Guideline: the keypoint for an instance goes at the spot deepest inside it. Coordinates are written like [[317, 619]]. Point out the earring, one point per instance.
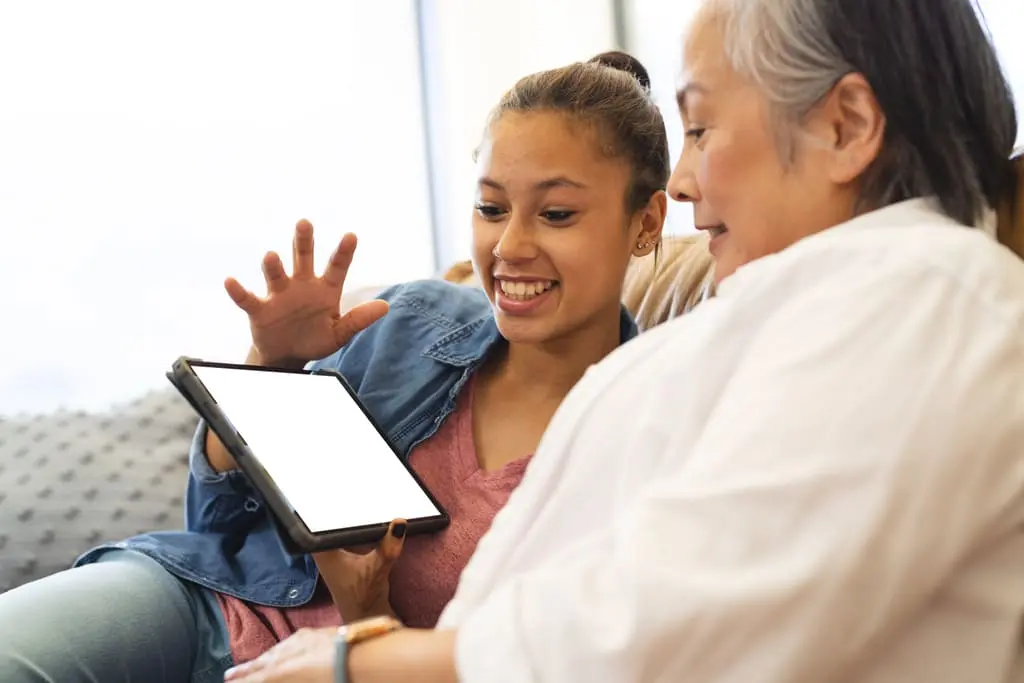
[[644, 245]]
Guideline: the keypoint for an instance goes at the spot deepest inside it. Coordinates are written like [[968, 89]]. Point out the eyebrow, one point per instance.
[[685, 90], [546, 184]]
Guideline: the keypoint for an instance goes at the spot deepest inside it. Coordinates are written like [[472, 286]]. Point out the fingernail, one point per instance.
[[398, 530]]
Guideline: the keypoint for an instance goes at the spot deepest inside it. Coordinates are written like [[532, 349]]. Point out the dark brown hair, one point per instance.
[[612, 93], [1010, 228]]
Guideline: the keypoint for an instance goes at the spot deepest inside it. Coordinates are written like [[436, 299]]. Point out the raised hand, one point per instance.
[[300, 318]]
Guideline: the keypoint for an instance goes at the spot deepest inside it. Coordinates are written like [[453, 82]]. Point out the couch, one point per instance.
[[69, 481]]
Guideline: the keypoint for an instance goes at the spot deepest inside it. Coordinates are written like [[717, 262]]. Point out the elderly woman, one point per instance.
[[819, 474]]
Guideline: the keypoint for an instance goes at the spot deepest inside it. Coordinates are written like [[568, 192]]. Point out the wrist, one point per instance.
[[351, 635], [351, 614], [255, 357], [404, 655]]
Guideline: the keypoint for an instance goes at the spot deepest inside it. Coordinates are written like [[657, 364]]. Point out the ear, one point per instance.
[[853, 125], [651, 220]]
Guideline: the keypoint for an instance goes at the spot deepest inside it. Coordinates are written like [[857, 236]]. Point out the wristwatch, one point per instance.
[[357, 632]]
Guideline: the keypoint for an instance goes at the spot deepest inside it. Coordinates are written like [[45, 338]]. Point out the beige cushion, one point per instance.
[[660, 289]]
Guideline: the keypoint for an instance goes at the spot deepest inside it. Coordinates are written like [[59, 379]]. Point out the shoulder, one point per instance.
[[427, 320], [922, 262], [435, 303]]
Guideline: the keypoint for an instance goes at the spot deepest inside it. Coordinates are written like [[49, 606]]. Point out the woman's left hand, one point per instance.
[[359, 582], [306, 657]]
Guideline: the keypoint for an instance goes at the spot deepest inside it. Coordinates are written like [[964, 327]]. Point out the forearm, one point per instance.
[[219, 458], [407, 655]]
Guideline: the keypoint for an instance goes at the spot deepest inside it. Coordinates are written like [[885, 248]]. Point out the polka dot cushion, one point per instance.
[[70, 481]]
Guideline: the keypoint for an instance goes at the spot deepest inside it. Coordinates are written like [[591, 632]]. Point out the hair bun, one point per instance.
[[622, 61]]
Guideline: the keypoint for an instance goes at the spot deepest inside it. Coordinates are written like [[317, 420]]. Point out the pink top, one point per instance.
[[424, 578]]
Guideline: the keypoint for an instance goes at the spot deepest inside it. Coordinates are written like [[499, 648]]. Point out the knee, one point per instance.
[[24, 634], [74, 625], [33, 619], [15, 668]]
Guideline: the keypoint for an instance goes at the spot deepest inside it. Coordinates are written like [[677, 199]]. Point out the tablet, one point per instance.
[[305, 441]]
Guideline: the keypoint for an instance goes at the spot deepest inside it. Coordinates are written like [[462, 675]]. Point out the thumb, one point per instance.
[[357, 319], [390, 548], [243, 298], [335, 567]]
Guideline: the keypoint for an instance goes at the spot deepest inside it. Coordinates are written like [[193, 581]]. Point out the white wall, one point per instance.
[[148, 150], [482, 48]]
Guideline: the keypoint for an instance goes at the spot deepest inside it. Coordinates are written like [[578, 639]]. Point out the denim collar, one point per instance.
[[468, 344]]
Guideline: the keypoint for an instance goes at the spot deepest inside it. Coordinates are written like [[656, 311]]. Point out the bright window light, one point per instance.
[[148, 150]]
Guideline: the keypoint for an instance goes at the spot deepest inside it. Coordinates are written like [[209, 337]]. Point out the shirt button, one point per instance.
[[293, 593], [251, 505]]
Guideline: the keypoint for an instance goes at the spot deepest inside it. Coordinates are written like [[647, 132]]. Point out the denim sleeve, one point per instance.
[[214, 500], [224, 502]]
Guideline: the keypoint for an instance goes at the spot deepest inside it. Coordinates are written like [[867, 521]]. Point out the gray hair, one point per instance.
[[950, 119]]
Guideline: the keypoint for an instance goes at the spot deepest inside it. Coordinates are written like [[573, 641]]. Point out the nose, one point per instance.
[[517, 242], [682, 184]]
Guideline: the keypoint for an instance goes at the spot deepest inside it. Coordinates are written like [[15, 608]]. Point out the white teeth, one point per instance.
[[717, 230], [523, 291]]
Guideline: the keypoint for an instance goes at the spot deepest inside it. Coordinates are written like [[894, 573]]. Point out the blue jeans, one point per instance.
[[122, 620]]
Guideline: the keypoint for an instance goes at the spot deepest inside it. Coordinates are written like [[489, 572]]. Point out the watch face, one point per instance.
[[368, 628]]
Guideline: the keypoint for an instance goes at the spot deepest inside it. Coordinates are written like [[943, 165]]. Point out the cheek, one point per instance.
[[741, 180], [723, 174], [485, 235], [596, 279], [484, 240], [589, 257], [720, 179]]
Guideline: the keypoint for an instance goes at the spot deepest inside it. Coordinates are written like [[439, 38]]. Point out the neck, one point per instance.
[[551, 369]]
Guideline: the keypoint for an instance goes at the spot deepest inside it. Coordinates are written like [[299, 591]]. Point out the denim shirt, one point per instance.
[[408, 369]]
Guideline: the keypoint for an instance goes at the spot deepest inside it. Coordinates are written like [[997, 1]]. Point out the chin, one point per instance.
[[723, 268], [524, 331]]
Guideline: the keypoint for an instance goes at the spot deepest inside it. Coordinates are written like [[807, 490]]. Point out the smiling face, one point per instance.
[[751, 199], [551, 234]]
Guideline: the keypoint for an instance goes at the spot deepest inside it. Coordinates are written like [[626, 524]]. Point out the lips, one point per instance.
[[521, 296], [717, 233], [714, 230]]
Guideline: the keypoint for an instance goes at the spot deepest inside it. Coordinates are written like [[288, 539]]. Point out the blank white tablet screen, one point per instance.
[[318, 446]]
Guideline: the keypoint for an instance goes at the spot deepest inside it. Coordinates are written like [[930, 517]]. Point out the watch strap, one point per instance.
[[341, 659], [357, 632]]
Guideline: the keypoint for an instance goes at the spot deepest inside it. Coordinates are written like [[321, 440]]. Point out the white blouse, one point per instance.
[[815, 477]]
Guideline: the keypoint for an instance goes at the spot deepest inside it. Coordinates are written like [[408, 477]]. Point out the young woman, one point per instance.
[[571, 188], [818, 475]]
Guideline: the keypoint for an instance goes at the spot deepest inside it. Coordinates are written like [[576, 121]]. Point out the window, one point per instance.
[[654, 36], [475, 52], [1006, 23], [151, 149]]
